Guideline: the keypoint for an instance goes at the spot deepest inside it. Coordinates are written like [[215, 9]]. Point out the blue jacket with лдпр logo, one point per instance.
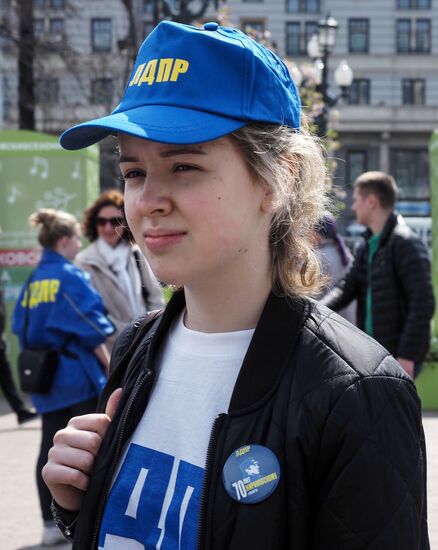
[[64, 308]]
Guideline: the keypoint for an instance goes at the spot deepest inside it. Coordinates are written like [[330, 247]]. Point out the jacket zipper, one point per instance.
[[116, 458], [207, 475]]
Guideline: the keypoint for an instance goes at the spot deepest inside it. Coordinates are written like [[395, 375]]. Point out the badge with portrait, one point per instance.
[[251, 474]]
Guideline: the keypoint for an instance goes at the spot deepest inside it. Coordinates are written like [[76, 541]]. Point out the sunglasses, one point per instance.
[[114, 222]]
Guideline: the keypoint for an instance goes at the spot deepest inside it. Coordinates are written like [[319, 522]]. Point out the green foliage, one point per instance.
[[167, 293], [432, 356]]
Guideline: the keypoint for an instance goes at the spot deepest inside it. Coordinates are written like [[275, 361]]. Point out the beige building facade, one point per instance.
[[82, 63]]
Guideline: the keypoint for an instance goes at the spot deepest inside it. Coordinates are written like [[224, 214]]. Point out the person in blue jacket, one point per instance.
[[64, 312]]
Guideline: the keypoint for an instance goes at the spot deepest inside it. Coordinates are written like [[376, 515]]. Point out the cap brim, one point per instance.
[[153, 122]]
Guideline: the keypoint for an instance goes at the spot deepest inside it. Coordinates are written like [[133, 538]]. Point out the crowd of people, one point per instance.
[[245, 413]]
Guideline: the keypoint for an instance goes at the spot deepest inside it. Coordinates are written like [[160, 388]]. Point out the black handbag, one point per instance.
[[37, 366], [37, 369]]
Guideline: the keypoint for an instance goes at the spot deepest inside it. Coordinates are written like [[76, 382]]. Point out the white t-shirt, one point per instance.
[[154, 501]]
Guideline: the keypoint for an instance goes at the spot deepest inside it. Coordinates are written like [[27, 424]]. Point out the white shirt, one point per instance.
[[154, 501]]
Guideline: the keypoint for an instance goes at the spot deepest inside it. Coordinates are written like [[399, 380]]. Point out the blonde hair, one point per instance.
[[54, 224], [292, 165]]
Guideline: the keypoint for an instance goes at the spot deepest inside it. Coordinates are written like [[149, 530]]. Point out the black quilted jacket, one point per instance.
[[338, 412], [402, 293]]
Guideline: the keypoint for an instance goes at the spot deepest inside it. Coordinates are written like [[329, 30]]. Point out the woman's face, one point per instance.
[[109, 222], [195, 210]]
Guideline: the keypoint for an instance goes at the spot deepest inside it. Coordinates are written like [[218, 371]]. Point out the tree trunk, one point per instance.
[[26, 48]]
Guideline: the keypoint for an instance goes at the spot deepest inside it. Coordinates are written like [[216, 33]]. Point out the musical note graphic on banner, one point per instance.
[[14, 194], [58, 198], [40, 167]]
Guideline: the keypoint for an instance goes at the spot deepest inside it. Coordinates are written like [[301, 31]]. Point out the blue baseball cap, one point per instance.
[[191, 85]]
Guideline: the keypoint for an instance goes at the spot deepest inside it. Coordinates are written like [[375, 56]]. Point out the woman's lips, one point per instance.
[[161, 240]]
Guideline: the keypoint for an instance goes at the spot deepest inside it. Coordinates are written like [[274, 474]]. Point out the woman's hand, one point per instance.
[[407, 365], [71, 458]]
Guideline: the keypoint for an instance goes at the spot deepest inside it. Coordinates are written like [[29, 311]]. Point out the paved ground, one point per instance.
[[20, 523]]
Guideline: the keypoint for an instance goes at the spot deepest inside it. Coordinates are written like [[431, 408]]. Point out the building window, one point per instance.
[[101, 34], [102, 91], [413, 91], [306, 6], [39, 4], [358, 35], [422, 35], [38, 28], [47, 91], [413, 4], [57, 26], [311, 27], [293, 38], [413, 38], [411, 171], [357, 162], [296, 39], [359, 92], [404, 35], [57, 4]]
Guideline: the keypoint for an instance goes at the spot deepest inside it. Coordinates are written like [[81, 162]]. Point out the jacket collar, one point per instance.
[[92, 257], [50, 256], [388, 228], [268, 354]]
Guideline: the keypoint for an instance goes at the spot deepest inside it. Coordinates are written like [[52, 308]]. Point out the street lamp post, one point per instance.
[[319, 49]]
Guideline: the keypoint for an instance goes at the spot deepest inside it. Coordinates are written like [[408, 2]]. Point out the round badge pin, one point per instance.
[[251, 474]]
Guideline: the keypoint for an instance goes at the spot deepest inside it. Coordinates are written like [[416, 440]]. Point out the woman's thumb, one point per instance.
[[112, 402]]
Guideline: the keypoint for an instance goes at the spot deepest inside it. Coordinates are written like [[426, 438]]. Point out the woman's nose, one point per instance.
[[155, 198]]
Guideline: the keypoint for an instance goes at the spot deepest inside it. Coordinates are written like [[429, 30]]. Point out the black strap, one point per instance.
[[144, 290], [118, 371], [26, 309]]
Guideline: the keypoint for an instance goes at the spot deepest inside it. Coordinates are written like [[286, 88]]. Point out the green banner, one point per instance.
[[35, 172]]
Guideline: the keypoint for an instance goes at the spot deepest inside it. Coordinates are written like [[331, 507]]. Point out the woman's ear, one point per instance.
[[62, 243], [267, 205]]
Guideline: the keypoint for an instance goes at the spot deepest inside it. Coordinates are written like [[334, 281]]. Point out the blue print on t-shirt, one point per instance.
[[153, 505]]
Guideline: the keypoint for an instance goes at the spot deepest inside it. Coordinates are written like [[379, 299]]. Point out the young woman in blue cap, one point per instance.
[[245, 415]]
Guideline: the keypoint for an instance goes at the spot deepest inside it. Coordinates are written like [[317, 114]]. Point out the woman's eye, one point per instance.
[[184, 168], [131, 174]]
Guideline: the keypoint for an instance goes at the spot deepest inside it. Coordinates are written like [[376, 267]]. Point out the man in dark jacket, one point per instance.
[[390, 276]]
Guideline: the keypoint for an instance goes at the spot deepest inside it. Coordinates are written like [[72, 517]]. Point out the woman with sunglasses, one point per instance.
[[118, 271]]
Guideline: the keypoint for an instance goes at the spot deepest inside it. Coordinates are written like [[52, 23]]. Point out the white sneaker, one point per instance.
[[52, 535]]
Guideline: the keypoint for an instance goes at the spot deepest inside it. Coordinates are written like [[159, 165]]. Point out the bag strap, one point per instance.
[[144, 290], [141, 331], [116, 375], [26, 309]]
